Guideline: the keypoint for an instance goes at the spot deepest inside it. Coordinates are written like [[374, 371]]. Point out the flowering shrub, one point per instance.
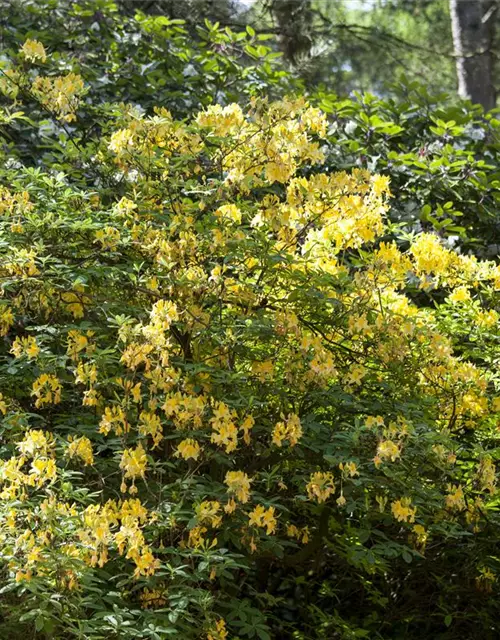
[[224, 390]]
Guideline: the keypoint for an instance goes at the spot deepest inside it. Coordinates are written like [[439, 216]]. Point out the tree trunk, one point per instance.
[[473, 29]]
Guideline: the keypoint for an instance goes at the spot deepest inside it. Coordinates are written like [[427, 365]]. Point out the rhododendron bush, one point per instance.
[[237, 401]]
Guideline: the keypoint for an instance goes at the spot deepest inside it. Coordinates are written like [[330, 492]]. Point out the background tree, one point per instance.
[[474, 31]]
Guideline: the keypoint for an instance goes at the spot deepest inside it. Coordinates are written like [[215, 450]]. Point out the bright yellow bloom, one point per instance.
[[34, 50], [261, 517], [246, 427], [188, 448], [239, 484], [81, 448], [207, 513], [114, 418], [460, 294], [388, 450], [320, 486], [6, 320], [150, 425], [290, 429], [77, 342], [134, 462], [47, 390], [25, 346], [60, 94], [121, 141], [36, 443], [403, 511], [218, 632]]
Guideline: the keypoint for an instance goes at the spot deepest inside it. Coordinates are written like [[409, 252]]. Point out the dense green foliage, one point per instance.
[[443, 159], [245, 391]]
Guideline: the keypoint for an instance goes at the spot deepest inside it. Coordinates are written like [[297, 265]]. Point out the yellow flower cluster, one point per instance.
[[133, 463], [218, 632], [21, 264], [387, 450], [188, 448], [455, 499], [303, 534], [320, 486], [100, 530], [207, 513], [114, 419], [238, 483], [290, 429], [34, 50], [403, 511], [78, 342], [47, 390], [81, 448], [150, 425], [60, 94], [25, 347], [262, 517], [224, 429]]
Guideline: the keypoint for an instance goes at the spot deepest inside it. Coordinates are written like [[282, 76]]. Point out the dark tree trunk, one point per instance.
[[473, 29]]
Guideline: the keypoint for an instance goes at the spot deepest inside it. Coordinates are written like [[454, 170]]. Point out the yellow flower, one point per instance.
[[196, 538], [246, 427], [6, 320], [403, 511], [134, 462], [108, 237], [36, 443], [420, 535], [76, 343], [47, 390], [374, 421], [261, 517], [320, 486], [3, 405], [263, 370], [43, 470], [218, 632], [150, 424], [485, 579], [86, 373], [290, 429], [455, 499], [229, 212], [114, 418], [222, 120], [60, 94], [387, 450], [224, 430], [34, 50], [188, 448], [239, 484], [460, 294], [121, 140], [81, 448], [25, 346], [207, 513], [487, 319], [230, 506], [349, 469]]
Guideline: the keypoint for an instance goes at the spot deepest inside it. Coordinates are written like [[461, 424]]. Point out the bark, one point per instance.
[[473, 30]]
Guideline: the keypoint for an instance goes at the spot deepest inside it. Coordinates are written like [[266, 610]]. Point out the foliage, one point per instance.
[[238, 401], [361, 45], [442, 157], [146, 60]]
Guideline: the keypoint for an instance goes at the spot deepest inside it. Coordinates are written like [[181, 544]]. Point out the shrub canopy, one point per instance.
[[238, 399]]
